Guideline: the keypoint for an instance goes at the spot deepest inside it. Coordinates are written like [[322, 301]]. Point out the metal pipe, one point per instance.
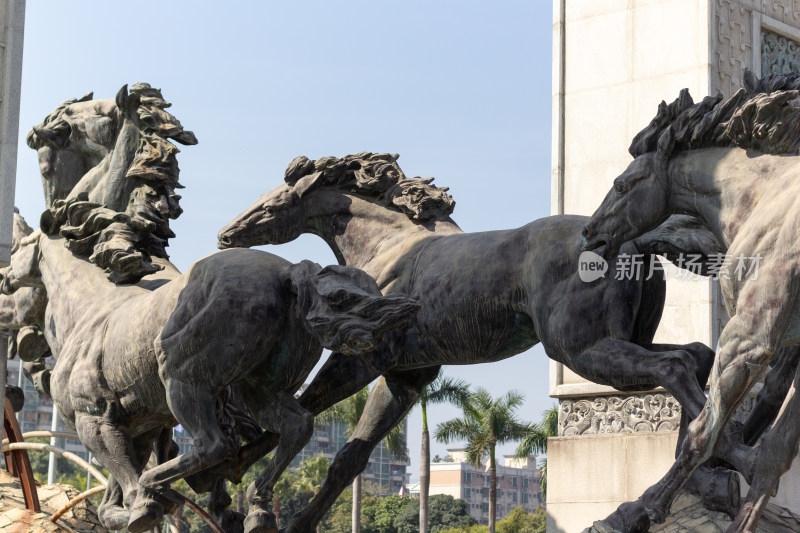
[[52, 449], [51, 465]]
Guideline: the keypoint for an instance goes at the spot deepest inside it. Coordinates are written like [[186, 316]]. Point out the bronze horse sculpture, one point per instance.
[[131, 361], [484, 297], [734, 165], [134, 360]]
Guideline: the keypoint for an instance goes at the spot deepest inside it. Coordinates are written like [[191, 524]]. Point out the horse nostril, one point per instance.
[[585, 233]]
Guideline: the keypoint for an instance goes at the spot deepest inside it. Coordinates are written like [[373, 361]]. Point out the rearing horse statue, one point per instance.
[[484, 296], [134, 360], [733, 164]]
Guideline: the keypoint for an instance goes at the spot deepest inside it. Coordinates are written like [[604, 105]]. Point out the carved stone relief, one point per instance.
[[626, 414], [779, 54]]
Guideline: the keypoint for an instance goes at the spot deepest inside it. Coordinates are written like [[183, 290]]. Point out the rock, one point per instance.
[[15, 518]]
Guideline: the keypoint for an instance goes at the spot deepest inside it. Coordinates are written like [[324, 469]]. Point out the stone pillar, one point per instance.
[[12, 24], [613, 62]]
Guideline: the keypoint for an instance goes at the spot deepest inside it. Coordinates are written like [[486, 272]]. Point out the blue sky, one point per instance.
[[461, 90]]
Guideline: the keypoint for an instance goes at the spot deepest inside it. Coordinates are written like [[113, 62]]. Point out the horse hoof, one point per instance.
[[260, 521], [114, 518], [628, 518], [145, 516], [722, 493]]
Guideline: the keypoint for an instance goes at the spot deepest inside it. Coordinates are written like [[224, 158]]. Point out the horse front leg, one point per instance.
[[389, 402], [342, 376], [773, 456], [682, 370], [741, 361], [296, 426], [349, 374]]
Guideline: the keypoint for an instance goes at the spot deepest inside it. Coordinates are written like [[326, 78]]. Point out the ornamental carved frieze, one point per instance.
[[626, 414], [779, 54]]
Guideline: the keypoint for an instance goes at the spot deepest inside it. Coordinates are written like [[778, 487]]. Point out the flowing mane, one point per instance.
[[119, 238], [764, 115], [378, 176]]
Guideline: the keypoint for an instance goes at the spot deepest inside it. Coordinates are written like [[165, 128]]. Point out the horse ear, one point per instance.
[[122, 96], [666, 143], [126, 102], [308, 183], [52, 139]]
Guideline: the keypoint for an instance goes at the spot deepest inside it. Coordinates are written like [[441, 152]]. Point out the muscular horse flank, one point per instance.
[[732, 164], [484, 297]]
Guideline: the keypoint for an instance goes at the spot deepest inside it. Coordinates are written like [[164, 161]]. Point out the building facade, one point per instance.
[[518, 484]]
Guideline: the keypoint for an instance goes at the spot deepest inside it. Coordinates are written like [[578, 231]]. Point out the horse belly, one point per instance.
[[480, 334]]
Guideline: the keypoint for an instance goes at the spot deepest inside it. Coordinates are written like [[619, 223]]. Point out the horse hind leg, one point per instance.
[[113, 447], [773, 456], [296, 425], [389, 401], [191, 404]]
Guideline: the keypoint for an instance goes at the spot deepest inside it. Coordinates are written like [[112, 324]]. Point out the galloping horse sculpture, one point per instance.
[[484, 296], [734, 165], [137, 359]]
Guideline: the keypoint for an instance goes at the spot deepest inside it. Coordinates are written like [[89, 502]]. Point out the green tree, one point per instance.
[[441, 390], [381, 515], [477, 528], [348, 412], [486, 423], [535, 442], [520, 521], [311, 475], [445, 512]]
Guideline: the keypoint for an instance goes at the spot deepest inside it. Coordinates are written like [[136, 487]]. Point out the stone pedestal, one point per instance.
[[613, 62]]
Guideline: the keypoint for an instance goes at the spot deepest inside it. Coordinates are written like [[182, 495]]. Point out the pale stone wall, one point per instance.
[[622, 59], [589, 476]]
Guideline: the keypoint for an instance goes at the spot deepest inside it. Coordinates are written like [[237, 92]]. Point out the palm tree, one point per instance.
[[312, 473], [535, 442], [348, 412], [441, 390], [487, 422]]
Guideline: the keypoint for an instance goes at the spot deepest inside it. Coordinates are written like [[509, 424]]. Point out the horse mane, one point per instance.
[[122, 241], [764, 115], [378, 176]]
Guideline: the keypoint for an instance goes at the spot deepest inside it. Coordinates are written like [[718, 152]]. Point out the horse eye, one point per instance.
[[620, 187], [269, 209]]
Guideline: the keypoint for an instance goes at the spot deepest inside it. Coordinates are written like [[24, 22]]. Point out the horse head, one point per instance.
[[637, 203], [281, 215], [82, 132], [277, 217], [344, 307]]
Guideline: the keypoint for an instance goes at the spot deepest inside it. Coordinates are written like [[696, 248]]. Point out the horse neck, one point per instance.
[[76, 289], [723, 185], [364, 233]]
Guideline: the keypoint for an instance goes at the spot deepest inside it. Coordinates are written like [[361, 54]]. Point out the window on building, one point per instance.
[[524, 483], [468, 478], [524, 497], [514, 497], [514, 482]]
